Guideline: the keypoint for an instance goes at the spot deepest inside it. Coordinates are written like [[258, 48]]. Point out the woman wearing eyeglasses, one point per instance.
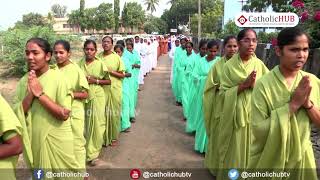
[[238, 79]]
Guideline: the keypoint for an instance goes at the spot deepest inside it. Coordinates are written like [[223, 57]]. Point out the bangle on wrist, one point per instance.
[[41, 94], [308, 108], [97, 81]]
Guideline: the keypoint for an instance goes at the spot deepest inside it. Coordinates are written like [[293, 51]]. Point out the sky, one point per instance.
[[11, 11]]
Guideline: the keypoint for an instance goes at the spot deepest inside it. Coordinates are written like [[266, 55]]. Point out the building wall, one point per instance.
[[61, 26]]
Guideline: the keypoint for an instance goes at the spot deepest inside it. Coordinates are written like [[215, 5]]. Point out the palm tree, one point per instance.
[[172, 2], [151, 5]]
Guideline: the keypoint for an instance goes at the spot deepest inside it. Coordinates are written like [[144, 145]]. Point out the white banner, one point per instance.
[[267, 20], [173, 30]]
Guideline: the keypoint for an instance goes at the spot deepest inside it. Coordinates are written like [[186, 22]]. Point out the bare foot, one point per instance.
[[99, 163], [114, 143]]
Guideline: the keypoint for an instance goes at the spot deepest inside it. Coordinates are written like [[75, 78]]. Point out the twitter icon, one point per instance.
[[233, 174]]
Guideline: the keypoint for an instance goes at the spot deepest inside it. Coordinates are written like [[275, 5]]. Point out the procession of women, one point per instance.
[[65, 113], [244, 116]]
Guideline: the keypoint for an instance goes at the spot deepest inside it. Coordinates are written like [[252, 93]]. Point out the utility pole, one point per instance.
[[199, 20]]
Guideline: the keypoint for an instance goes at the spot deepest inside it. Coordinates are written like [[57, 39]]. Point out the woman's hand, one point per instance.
[[91, 80], [301, 95], [34, 85], [249, 82]]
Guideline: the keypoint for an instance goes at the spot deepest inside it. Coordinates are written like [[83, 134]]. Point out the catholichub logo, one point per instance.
[[267, 20]]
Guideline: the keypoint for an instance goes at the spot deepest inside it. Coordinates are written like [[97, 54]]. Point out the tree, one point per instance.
[[155, 24], [99, 18], [211, 20], [230, 29], [104, 17], [309, 12], [116, 9], [133, 15], [151, 5], [15, 40], [261, 6], [180, 10], [88, 21], [32, 19], [59, 11], [81, 14], [82, 5], [75, 19]]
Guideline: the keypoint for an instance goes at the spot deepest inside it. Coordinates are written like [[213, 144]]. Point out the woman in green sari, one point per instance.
[[237, 81], [43, 104], [10, 141], [135, 61], [126, 87], [97, 77], [201, 73], [113, 93], [213, 104], [188, 61], [190, 124], [177, 71], [79, 87], [284, 104]]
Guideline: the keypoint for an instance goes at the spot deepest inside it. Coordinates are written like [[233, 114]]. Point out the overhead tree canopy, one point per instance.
[[155, 24], [104, 17], [99, 18], [31, 19], [260, 6], [59, 11], [133, 15], [151, 5], [211, 20], [180, 11], [116, 9]]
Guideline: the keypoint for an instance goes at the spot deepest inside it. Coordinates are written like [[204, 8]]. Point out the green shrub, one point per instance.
[[264, 37], [14, 42]]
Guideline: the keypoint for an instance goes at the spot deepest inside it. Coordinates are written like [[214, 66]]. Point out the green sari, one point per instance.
[[48, 142], [201, 72], [234, 152], [9, 128], [113, 97], [177, 73], [78, 82], [134, 81], [212, 109], [95, 124], [281, 143], [193, 89], [186, 76], [126, 94]]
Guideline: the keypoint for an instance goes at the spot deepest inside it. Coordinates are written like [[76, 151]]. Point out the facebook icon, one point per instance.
[[38, 173]]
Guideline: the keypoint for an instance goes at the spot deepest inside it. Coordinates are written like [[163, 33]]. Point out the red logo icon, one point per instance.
[[242, 19], [135, 174]]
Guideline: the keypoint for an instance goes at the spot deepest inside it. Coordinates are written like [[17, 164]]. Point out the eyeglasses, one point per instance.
[[248, 40]]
